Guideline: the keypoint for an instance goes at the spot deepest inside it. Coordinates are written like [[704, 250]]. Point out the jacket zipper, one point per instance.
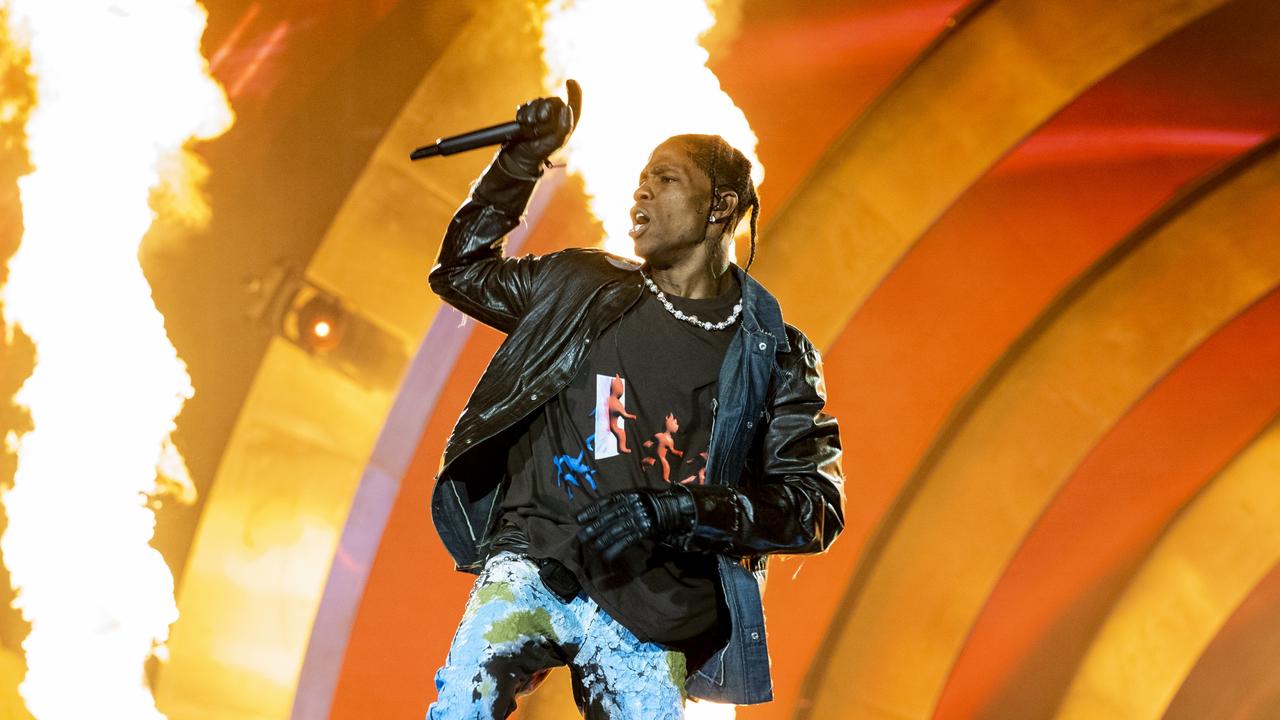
[[711, 435]]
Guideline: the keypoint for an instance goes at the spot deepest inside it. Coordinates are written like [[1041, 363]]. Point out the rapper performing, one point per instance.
[[632, 558]]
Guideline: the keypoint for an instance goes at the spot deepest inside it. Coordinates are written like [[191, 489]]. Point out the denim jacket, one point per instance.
[[774, 481]]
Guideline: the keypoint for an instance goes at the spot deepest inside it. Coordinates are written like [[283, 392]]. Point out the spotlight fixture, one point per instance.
[[319, 324], [327, 328]]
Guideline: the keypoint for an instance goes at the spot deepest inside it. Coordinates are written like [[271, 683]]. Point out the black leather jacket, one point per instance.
[[774, 482]]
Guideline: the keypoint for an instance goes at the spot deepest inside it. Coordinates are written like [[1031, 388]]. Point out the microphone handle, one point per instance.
[[492, 135]]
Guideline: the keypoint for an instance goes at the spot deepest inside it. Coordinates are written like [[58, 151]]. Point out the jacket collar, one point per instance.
[[760, 309]]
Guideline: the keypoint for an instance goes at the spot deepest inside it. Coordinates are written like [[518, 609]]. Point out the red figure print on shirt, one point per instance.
[[666, 443], [616, 412], [701, 477]]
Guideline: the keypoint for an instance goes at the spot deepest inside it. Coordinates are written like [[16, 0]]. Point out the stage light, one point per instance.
[[320, 324], [285, 303]]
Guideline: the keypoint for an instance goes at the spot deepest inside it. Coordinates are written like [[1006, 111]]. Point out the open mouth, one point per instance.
[[639, 221]]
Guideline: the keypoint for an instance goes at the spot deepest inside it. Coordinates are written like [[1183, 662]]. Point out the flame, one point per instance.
[[121, 90], [644, 78]]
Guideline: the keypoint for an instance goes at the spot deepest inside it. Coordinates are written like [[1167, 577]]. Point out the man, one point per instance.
[[644, 438]]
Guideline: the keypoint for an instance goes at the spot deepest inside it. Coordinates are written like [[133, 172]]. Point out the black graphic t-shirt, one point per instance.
[[637, 415]]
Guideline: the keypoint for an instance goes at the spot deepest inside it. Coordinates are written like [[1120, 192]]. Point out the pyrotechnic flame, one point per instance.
[[644, 78], [121, 89]]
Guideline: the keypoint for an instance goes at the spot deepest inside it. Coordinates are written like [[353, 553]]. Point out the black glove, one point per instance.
[[548, 122], [615, 523]]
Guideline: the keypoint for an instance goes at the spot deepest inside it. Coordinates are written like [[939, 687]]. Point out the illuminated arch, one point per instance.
[[922, 143], [1209, 559], [988, 478]]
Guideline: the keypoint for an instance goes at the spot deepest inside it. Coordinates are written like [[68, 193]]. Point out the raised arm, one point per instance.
[[471, 273]]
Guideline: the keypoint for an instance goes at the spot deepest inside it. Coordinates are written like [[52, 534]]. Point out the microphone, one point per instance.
[[494, 134]]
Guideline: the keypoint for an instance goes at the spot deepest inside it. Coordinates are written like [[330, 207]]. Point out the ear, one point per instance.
[[726, 204]]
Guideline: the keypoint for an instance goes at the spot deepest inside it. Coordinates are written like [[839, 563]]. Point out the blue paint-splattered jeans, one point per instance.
[[514, 630]]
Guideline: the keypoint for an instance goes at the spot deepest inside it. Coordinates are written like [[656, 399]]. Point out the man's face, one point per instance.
[[668, 219]]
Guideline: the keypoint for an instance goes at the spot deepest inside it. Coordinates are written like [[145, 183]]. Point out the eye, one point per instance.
[[668, 179]]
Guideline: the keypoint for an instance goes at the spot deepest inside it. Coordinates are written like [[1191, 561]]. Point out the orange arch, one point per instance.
[[1069, 570]]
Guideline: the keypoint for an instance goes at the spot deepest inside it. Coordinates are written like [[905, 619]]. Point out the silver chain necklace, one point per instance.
[[691, 319]]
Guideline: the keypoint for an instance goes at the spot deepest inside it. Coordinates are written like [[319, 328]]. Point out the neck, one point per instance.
[[696, 281]]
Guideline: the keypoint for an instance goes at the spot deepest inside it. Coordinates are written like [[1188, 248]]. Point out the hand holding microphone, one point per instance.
[[545, 125], [540, 128]]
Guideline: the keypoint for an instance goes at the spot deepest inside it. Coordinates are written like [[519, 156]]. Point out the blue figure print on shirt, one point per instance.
[[573, 471]]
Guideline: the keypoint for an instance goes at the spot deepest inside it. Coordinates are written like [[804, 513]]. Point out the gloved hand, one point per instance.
[[548, 121], [615, 523]]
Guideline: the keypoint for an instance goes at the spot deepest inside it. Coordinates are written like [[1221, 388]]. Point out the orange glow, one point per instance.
[[597, 42]]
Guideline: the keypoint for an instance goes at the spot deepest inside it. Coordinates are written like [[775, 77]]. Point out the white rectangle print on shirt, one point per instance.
[[611, 416]]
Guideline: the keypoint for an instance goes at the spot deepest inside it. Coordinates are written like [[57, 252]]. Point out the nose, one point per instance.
[[642, 192]]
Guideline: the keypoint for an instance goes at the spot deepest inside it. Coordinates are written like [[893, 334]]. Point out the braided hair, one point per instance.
[[728, 169]]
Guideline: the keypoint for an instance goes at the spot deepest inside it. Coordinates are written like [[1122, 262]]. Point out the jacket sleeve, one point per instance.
[[471, 273], [794, 504]]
